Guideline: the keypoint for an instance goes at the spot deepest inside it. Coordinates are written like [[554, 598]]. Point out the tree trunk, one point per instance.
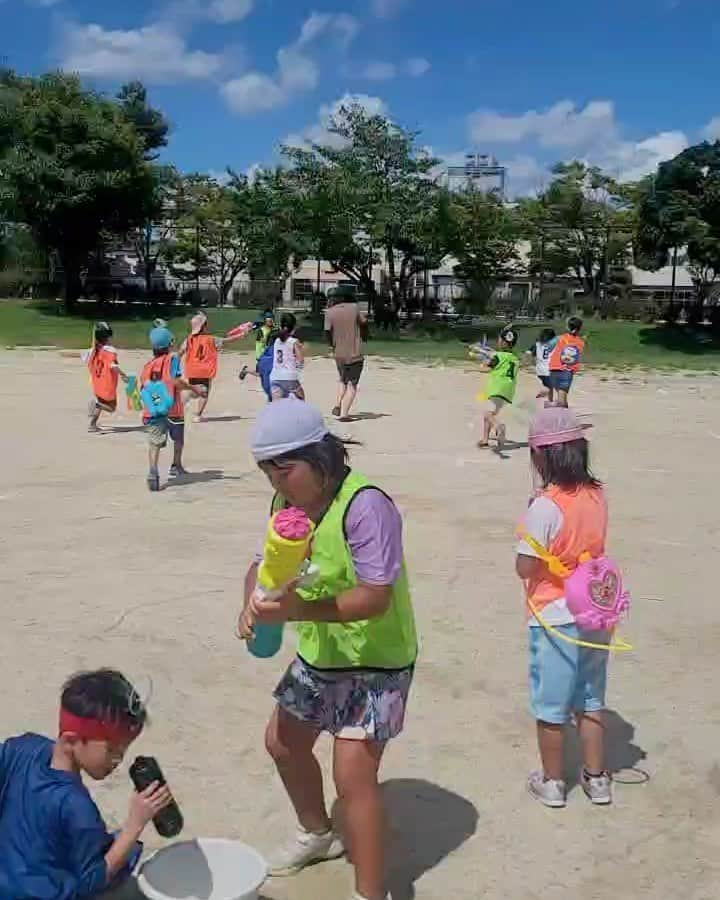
[[72, 285]]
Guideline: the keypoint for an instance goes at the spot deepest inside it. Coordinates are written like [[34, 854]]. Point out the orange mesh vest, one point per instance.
[[104, 378], [160, 368], [584, 529], [201, 356], [567, 353]]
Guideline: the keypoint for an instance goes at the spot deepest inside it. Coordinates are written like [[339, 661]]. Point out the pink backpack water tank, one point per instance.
[[595, 595]]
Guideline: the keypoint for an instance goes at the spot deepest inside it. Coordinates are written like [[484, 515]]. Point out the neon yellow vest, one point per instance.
[[386, 642], [502, 380], [261, 340]]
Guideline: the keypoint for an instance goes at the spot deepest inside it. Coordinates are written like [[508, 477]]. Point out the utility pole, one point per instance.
[[197, 261], [674, 274]]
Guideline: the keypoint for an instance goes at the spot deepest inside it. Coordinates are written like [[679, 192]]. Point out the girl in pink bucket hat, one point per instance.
[[566, 520]]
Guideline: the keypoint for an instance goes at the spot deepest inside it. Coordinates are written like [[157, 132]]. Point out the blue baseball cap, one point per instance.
[[161, 338]]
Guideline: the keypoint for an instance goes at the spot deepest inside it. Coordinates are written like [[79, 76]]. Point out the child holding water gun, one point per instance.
[[568, 518], [502, 366], [54, 841], [104, 368], [263, 328], [200, 351], [165, 368]]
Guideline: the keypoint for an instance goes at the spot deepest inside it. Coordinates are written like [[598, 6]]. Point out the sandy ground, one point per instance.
[[97, 571]]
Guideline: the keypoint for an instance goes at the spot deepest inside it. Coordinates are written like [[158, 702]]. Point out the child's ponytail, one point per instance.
[[288, 323]]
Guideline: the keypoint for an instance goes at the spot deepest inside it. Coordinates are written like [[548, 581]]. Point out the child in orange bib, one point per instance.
[[568, 518], [199, 352], [565, 360], [104, 369]]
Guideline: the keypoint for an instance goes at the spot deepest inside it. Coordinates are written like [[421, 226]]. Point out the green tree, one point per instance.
[[482, 235], [149, 123], [223, 230], [579, 226], [366, 188], [680, 207], [72, 168]]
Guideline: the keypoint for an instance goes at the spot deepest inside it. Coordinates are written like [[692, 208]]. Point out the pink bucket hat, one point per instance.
[[555, 425], [198, 322]]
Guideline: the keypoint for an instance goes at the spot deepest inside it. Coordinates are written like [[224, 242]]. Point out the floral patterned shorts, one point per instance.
[[361, 705]]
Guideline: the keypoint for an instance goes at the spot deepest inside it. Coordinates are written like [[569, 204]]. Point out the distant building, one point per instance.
[[480, 172]]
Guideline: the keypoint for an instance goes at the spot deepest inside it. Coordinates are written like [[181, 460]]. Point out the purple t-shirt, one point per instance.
[[374, 535]]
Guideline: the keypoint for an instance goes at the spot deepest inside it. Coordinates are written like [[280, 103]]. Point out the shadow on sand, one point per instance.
[[426, 823], [622, 755]]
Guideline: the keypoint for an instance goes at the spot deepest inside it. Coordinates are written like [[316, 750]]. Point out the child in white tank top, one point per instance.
[[288, 362]]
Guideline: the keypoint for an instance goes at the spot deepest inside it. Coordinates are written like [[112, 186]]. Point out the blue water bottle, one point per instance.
[[267, 641]]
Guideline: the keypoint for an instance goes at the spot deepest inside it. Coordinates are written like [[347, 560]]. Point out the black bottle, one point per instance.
[[146, 769]]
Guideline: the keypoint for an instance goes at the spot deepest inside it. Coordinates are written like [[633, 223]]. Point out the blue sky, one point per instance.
[[624, 84]]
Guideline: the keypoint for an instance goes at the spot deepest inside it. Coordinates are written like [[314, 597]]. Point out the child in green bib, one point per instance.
[[502, 367]]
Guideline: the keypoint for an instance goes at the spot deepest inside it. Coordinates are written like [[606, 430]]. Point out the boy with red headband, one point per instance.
[[55, 845]]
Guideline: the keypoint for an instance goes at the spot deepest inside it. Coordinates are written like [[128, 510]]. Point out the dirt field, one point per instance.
[[97, 571]]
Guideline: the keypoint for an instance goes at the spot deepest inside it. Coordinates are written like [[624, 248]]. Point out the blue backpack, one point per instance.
[[156, 399]]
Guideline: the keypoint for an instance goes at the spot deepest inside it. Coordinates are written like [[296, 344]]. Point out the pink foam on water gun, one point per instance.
[[291, 524]]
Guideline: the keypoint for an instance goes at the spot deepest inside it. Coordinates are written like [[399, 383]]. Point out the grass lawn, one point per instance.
[[616, 344]]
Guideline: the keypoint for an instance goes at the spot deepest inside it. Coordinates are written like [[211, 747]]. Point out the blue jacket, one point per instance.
[[53, 840]]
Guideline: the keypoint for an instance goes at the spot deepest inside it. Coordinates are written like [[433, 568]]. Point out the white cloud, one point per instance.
[[154, 54], [317, 133], [562, 125], [384, 9], [252, 93], [296, 71], [342, 26], [379, 71], [591, 133], [630, 161], [711, 131], [417, 66], [225, 11]]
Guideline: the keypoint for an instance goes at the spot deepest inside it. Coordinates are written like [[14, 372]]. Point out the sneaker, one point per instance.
[[153, 481], [242, 374], [93, 429], [548, 791], [598, 788], [176, 472], [307, 848]]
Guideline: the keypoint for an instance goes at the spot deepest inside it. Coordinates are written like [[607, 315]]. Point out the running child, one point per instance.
[[54, 841], [164, 368], [263, 327], [102, 363], [565, 360], [288, 362], [567, 518], [200, 351], [541, 351], [502, 366]]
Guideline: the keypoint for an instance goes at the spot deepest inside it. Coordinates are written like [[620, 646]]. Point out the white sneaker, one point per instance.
[[549, 792], [306, 849], [598, 788]]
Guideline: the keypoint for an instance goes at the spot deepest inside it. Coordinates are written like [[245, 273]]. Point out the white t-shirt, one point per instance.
[[543, 522], [542, 356], [286, 365]]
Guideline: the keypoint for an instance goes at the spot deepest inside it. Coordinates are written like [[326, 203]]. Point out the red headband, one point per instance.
[[96, 730]]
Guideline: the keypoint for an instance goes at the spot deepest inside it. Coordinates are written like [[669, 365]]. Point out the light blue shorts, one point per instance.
[[565, 678]]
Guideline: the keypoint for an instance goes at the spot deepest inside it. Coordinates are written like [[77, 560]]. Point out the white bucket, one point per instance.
[[204, 869]]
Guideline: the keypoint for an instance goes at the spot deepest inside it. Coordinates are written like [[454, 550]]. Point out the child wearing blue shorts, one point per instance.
[[568, 517]]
